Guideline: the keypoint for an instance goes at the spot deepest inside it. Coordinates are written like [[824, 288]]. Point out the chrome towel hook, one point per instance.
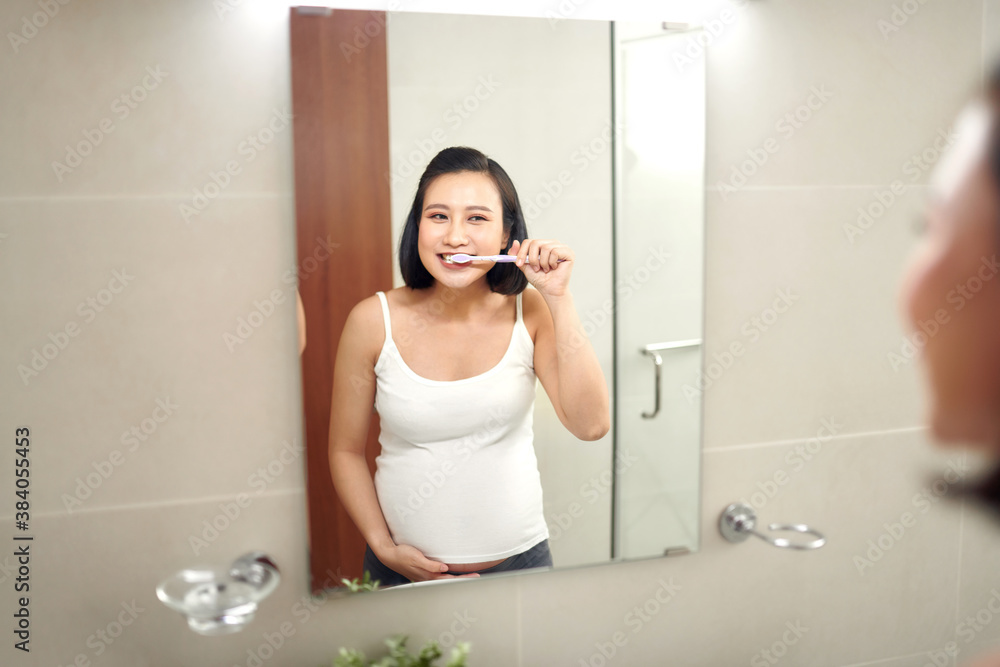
[[738, 521]]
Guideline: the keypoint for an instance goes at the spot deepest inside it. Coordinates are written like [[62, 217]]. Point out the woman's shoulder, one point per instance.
[[370, 308], [365, 323], [368, 314]]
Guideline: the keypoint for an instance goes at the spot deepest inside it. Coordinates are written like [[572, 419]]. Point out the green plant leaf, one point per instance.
[[399, 656], [459, 655]]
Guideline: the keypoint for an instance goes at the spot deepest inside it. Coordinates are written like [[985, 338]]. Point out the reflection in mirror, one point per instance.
[[659, 241], [539, 97]]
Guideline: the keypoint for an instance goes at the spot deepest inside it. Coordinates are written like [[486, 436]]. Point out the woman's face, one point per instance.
[[951, 291], [462, 214]]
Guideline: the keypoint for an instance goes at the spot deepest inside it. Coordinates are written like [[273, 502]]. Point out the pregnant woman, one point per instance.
[[449, 362]]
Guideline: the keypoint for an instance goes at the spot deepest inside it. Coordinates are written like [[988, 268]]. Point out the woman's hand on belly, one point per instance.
[[415, 566]]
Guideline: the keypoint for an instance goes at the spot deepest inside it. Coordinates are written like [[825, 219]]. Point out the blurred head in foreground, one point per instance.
[[951, 291]]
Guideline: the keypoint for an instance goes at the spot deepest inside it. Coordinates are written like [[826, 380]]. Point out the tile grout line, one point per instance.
[[792, 441], [154, 504], [779, 188], [881, 661], [183, 197]]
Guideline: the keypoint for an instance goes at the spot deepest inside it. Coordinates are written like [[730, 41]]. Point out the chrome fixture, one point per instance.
[[738, 521], [218, 601], [653, 351]]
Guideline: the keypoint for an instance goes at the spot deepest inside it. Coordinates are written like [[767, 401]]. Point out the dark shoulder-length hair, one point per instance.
[[993, 100], [504, 278]]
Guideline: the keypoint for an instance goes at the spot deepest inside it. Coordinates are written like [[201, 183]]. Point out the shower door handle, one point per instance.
[[653, 351]]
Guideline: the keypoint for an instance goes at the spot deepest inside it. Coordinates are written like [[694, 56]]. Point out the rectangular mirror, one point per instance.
[[602, 133]]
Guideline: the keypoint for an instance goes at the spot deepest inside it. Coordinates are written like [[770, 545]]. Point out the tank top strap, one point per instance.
[[519, 318], [385, 315]]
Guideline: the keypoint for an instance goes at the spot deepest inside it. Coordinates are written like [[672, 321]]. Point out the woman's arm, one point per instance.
[[350, 415], [565, 362], [567, 367]]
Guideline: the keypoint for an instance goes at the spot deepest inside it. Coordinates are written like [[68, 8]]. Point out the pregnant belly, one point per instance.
[[472, 567]]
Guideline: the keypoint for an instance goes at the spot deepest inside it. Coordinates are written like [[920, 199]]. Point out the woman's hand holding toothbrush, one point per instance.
[[546, 264]]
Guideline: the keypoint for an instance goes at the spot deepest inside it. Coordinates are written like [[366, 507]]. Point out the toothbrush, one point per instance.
[[461, 258]]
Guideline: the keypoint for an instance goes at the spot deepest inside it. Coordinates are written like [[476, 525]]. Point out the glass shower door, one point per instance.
[[659, 271]]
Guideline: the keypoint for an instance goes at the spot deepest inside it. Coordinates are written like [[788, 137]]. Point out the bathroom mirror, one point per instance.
[[601, 127]]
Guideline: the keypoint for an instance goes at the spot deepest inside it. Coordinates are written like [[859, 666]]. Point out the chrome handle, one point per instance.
[[656, 347], [651, 351], [739, 520], [658, 364]]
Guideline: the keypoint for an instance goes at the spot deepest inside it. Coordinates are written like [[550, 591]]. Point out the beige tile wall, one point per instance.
[[161, 336]]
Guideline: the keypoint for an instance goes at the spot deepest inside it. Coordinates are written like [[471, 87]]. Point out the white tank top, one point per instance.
[[457, 477]]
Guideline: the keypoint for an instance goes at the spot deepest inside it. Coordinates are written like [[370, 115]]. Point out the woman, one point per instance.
[[449, 362], [951, 288], [952, 292]]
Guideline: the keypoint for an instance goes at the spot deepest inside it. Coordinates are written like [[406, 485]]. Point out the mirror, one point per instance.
[[601, 128]]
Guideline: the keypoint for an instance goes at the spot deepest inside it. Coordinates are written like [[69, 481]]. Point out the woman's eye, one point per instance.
[[477, 218], [438, 216]]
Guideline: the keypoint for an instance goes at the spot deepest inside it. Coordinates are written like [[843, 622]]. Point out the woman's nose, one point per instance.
[[456, 235]]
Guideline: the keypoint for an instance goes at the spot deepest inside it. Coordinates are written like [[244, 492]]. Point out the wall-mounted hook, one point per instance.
[[738, 521]]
